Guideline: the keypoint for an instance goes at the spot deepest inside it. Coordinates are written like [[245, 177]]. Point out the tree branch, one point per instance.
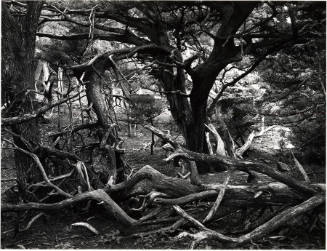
[[26, 117], [260, 231], [224, 163]]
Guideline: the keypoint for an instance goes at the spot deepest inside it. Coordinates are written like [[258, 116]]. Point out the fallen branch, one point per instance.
[[50, 151], [240, 195], [30, 223], [260, 231], [74, 129], [220, 145], [27, 117], [224, 163], [240, 151], [157, 181], [98, 195], [43, 183], [209, 143], [195, 179], [40, 166], [87, 226], [301, 168], [220, 197]]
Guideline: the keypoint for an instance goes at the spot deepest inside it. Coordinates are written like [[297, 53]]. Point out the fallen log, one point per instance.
[[176, 191], [223, 163], [180, 191], [246, 166], [98, 195], [171, 186], [260, 231]]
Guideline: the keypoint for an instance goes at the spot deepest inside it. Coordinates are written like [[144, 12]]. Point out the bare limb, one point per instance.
[[26, 117], [260, 231], [40, 166], [87, 226], [224, 163], [301, 168], [220, 197], [220, 147], [240, 151], [98, 195]]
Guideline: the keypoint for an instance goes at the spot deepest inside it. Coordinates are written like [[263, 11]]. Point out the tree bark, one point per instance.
[[93, 79], [18, 67], [191, 115]]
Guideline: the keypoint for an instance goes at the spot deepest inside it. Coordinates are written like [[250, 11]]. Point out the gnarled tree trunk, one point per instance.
[[190, 112], [18, 67], [95, 96]]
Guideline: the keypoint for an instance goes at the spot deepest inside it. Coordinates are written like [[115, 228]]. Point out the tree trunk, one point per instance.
[[97, 99], [189, 112], [18, 67]]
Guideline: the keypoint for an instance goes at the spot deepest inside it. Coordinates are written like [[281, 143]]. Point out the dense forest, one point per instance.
[[155, 124]]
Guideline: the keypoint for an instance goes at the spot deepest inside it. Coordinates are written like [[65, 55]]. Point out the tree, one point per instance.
[[162, 28], [18, 47], [186, 50], [190, 48]]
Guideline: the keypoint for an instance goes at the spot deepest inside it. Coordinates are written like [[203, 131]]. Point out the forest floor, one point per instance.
[[55, 231]]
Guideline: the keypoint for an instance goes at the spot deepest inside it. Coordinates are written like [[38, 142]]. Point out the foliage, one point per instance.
[[145, 108]]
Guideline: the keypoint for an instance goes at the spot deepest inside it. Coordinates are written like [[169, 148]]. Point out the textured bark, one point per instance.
[[223, 163], [191, 115], [99, 195], [260, 231], [155, 181], [93, 79], [18, 67]]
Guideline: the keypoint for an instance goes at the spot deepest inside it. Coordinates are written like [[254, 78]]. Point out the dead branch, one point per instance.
[[223, 163], [98, 195], [157, 181], [40, 166], [220, 197], [273, 193], [260, 231], [209, 143], [87, 226], [226, 163], [26, 117], [301, 168], [50, 151], [30, 223], [195, 178], [240, 151], [167, 137], [43, 183], [74, 129], [175, 226], [220, 147]]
